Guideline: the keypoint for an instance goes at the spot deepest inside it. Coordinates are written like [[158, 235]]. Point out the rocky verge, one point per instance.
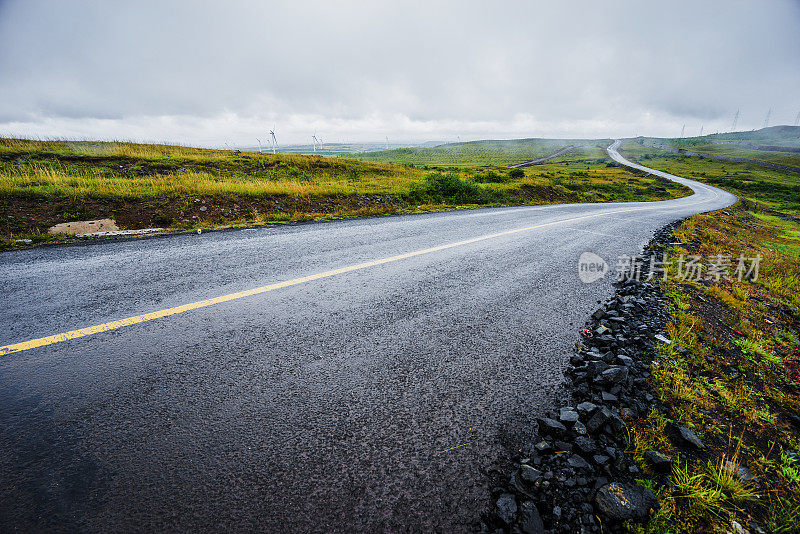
[[574, 475]]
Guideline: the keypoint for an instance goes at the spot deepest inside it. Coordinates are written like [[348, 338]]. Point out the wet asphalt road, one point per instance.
[[323, 406]]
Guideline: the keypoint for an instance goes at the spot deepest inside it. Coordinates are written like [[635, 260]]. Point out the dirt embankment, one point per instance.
[[28, 216]]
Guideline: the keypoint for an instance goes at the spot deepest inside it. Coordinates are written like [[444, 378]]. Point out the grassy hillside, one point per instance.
[[774, 135], [486, 153], [745, 144], [43, 183], [772, 188]]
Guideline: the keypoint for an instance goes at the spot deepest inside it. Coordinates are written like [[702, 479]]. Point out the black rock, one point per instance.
[[605, 339], [598, 420], [506, 508], [616, 422], [585, 445], [529, 474], [543, 447], [577, 462], [595, 368], [586, 407], [686, 436], [567, 416], [627, 361], [551, 427], [601, 459], [608, 357], [608, 397], [621, 502], [515, 483], [579, 429], [740, 472], [660, 461], [614, 375], [530, 522]]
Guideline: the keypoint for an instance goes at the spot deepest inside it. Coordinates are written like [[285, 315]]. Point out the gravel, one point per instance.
[[575, 476]]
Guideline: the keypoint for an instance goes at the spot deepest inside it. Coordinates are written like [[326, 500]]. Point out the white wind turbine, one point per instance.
[[314, 141], [259, 145], [274, 141]]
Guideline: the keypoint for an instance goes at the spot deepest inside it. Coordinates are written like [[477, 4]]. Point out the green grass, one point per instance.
[[788, 136], [738, 378], [490, 153], [46, 182], [52, 169], [776, 189], [743, 144], [734, 384]]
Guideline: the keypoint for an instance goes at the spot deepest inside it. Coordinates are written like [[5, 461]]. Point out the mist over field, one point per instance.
[[208, 73]]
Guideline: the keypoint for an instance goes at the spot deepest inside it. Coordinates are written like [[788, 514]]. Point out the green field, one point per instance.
[[43, 183], [776, 189], [774, 135], [743, 144], [488, 153]]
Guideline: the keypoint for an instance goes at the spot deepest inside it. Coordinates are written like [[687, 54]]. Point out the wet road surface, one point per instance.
[[324, 406]]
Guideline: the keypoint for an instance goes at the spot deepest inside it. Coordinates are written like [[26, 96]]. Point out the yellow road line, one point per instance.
[[113, 325]]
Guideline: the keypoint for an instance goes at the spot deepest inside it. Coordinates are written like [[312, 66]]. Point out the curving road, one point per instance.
[[373, 397]]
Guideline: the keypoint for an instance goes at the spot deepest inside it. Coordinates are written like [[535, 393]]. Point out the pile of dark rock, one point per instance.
[[574, 475]]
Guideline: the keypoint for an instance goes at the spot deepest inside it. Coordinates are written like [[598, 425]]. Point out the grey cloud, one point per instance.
[[407, 69]]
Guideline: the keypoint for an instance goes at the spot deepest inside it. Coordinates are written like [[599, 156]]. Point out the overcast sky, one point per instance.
[[208, 73]]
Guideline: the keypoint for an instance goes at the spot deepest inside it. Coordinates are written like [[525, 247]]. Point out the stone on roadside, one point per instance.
[[568, 416], [529, 474], [579, 429], [550, 427], [608, 397], [506, 508], [686, 436], [598, 420], [742, 473], [530, 522], [627, 361], [577, 462], [614, 375], [622, 502], [660, 461], [662, 339]]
